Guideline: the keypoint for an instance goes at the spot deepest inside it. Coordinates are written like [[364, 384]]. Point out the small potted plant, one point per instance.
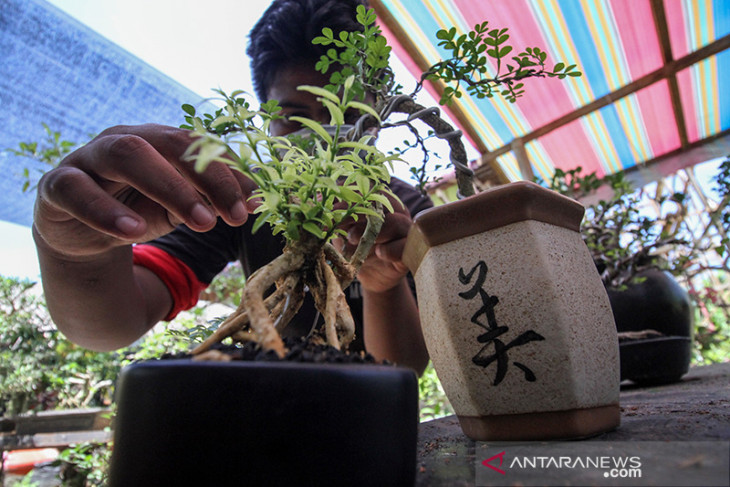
[[296, 422], [653, 312]]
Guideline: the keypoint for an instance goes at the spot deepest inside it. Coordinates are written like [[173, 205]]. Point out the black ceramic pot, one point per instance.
[[660, 304], [181, 422]]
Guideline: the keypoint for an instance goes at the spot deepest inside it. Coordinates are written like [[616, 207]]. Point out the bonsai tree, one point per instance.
[[622, 240], [309, 184]]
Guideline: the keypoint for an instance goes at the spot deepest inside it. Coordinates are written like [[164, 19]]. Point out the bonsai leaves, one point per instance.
[[468, 64], [363, 54], [308, 183]]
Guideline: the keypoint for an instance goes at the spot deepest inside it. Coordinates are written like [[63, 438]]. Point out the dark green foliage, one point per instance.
[[363, 54], [468, 65], [49, 151]]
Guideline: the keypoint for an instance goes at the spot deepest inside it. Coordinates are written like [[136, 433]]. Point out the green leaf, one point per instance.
[[258, 223], [337, 117], [360, 146], [222, 120], [292, 230], [363, 107], [315, 127], [189, 109], [319, 91], [349, 195], [382, 199], [368, 211], [313, 229]]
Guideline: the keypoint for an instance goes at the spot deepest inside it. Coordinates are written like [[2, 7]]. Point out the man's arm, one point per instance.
[[393, 327], [101, 303]]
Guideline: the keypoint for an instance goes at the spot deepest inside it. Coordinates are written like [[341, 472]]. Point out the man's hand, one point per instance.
[[130, 184], [384, 268]]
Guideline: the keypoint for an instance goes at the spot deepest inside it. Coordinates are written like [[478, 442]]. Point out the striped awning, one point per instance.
[[654, 96]]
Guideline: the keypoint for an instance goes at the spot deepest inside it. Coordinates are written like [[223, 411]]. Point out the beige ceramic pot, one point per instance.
[[515, 317]]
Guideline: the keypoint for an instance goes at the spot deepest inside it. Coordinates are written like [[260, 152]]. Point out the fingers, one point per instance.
[[150, 146], [69, 193], [395, 227], [391, 251], [131, 182], [119, 162]]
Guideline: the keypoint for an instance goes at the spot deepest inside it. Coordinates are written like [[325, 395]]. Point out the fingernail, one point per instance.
[[127, 225], [201, 215], [238, 211]]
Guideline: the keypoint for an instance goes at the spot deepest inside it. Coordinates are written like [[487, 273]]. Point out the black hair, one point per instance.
[[283, 35]]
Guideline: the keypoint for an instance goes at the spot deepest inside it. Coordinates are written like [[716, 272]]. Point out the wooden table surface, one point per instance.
[[695, 409]]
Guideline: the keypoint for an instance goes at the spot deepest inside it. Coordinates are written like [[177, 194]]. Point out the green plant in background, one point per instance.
[[84, 465], [722, 179], [712, 313], [433, 401], [40, 370], [713, 322], [622, 240], [49, 151]]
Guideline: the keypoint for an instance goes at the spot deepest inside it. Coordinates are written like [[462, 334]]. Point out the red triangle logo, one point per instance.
[[487, 463]]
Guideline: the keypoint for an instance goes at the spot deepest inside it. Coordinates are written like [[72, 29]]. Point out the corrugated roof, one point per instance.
[[653, 93]]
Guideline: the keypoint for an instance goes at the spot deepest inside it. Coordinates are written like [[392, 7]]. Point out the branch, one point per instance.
[[443, 130]]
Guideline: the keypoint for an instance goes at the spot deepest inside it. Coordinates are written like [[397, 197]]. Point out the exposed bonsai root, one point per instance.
[[292, 296], [344, 320], [234, 325], [372, 229], [343, 269], [335, 303], [261, 321]]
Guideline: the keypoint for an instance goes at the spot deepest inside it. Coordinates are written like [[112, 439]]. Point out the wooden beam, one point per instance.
[[423, 64], [662, 29], [523, 160], [715, 146]]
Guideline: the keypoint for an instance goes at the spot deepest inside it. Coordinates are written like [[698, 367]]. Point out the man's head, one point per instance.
[[283, 36]]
